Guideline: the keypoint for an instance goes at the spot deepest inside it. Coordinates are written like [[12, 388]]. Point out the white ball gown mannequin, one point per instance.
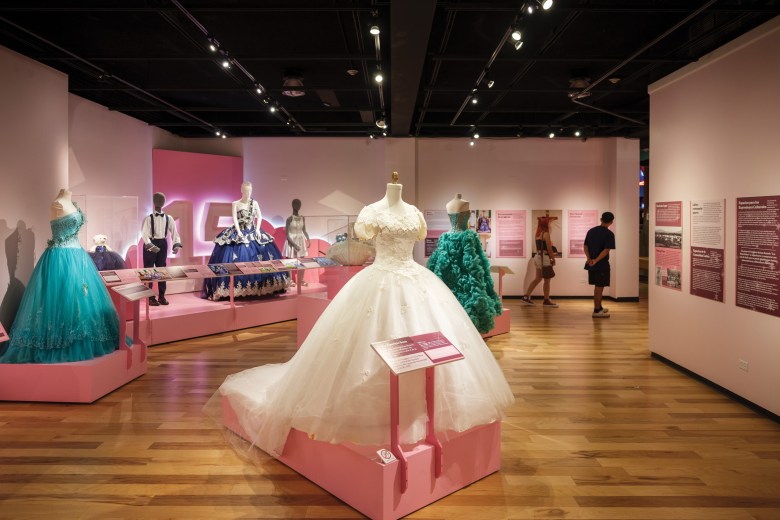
[[336, 388]]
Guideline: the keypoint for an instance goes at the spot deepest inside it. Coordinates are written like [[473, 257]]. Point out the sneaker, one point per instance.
[[601, 313], [526, 301], [153, 302], [163, 301], [550, 304]]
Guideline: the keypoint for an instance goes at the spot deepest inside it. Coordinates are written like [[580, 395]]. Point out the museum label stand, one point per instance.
[[385, 487], [503, 321], [82, 381]]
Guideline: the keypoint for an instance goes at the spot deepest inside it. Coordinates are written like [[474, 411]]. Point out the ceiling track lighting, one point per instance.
[[273, 108], [518, 45], [224, 136], [546, 4], [551, 135], [378, 77], [474, 100], [516, 34], [218, 133], [374, 30], [476, 135], [577, 133], [471, 142]]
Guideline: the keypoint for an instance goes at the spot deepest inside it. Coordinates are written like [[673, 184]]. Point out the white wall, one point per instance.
[[714, 134], [33, 167], [600, 174]]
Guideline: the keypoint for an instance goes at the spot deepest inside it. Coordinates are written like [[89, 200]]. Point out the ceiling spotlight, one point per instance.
[[352, 71], [378, 77], [288, 123], [530, 8], [218, 133], [471, 142], [212, 47], [551, 135], [292, 86], [381, 123], [224, 136], [546, 4], [518, 45], [476, 135], [516, 34], [226, 64], [273, 108], [490, 83], [577, 133], [371, 136], [614, 80], [384, 134], [474, 100], [374, 30], [259, 90]]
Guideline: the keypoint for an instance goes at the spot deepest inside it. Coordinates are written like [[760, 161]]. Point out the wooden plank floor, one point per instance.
[[599, 431]]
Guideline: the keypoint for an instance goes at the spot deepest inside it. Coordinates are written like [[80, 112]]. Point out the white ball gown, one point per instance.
[[336, 388]]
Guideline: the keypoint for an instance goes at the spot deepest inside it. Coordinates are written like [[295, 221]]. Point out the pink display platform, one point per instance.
[[502, 324], [77, 382], [310, 307], [356, 474], [190, 316], [337, 277]]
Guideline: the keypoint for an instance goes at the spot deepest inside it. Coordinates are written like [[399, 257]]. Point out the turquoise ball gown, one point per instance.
[[66, 313], [462, 265]]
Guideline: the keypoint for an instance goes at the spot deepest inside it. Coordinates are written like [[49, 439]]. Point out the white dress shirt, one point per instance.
[[159, 228]]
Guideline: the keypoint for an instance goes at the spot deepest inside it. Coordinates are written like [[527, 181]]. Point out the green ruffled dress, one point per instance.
[[462, 265]]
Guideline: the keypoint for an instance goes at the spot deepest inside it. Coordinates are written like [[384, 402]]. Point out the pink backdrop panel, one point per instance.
[[199, 179]]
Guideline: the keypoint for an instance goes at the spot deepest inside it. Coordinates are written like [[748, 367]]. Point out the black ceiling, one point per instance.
[[584, 65]]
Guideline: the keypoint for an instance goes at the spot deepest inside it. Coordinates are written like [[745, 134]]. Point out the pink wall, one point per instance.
[[533, 174], [33, 167], [714, 134]]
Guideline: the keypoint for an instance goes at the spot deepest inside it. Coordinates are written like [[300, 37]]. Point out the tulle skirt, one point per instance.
[[258, 245], [66, 313], [336, 388]]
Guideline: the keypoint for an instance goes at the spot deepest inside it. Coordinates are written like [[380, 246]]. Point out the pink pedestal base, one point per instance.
[[310, 307], [190, 316], [356, 475], [77, 382], [502, 324], [336, 277]]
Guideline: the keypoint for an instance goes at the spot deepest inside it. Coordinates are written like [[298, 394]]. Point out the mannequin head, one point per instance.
[[296, 205], [246, 189], [159, 201]]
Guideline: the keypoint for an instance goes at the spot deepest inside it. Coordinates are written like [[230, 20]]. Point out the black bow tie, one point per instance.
[[159, 214]]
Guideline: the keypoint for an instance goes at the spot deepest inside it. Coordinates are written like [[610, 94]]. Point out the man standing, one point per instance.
[[598, 242]]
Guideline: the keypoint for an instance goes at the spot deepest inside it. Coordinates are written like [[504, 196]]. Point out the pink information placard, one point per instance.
[[668, 244], [758, 254], [438, 223], [579, 222], [708, 239], [415, 352], [119, 276], [3, 335], [510, 233], [133, 291]]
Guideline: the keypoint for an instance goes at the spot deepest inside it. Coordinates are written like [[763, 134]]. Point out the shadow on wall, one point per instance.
[[20, 259]]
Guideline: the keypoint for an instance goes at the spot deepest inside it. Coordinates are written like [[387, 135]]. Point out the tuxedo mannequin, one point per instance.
[[154, 232], [457, 205], [62, 205]]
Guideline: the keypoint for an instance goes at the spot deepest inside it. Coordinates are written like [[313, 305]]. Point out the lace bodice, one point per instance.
[[394, 234], [65, 230], [246, 216], [459, 221], [296, 225]]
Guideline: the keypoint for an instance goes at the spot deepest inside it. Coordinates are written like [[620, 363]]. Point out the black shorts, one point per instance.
[[599, 278]]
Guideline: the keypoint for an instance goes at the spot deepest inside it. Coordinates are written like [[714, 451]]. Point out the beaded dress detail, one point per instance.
[[66, 312], [461, 263], [336, 388]]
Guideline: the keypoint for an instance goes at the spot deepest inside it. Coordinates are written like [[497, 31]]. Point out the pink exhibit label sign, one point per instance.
[[668, 244], [438, 222], [758, 254], [119, 276], [3, 335], [579, 223], [133, 291], [708, 239], [415, 352], [510, 231]]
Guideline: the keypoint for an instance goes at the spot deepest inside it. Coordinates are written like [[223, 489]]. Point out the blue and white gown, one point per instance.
[[255, 246]]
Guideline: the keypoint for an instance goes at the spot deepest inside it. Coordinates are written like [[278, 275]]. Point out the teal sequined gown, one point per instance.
[[66, 312], [462, 265]]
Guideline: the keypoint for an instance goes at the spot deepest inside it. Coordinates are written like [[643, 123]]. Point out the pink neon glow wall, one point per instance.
[[714, 129], [194, 184]]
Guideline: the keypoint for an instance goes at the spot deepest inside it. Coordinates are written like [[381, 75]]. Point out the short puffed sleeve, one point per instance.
[[423, 226], [366, 226]]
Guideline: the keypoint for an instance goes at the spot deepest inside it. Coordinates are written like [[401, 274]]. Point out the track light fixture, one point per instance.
[[551, 134], [529, 8], [476, 135], [474, 100], [518, 45], [381, 123], [378, 77], [577, 133], [225, 64], [490, 83], [273, 108], [374, 30], [224, 136], [218, 133], [546, 4], [471, 142], [517, 35]]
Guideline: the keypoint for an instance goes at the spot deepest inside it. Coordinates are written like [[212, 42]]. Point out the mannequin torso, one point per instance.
[[457, 205], [62, 205]]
